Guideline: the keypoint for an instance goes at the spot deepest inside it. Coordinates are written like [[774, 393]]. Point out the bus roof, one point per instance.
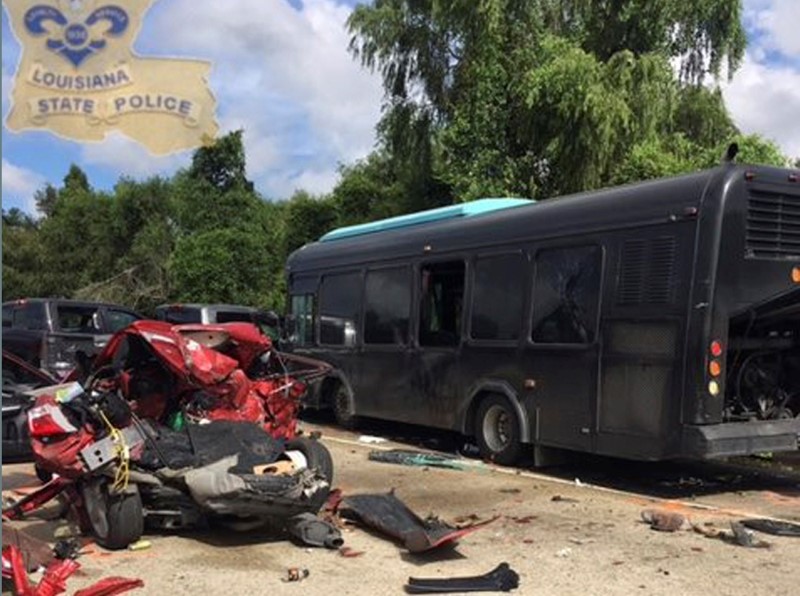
[[637, 204], [471, 209]]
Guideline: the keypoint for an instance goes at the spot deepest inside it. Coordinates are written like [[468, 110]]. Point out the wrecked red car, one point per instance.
[[209, 372], [174, 424]]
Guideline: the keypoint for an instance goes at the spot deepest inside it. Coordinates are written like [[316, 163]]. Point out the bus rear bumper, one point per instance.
[[740, 438]]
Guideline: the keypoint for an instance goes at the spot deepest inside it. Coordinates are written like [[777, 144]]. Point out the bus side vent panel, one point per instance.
[[647, 271], [773, 225], [638, 374]]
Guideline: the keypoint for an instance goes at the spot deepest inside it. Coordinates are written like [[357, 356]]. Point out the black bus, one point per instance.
[[651, 321]]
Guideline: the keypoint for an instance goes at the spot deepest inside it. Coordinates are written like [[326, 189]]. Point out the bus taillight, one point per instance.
[[714, 368], [716, 348]]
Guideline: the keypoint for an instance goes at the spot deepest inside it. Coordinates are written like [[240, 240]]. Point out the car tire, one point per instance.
[[317, 455], [497, 430], [341, 404], [317, 458], [115, 520]]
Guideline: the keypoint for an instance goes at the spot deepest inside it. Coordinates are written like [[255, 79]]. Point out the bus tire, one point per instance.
[[497, 430], [342, 409]]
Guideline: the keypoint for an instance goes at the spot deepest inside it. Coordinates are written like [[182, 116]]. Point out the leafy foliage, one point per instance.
[[482, 98], [544, 97]]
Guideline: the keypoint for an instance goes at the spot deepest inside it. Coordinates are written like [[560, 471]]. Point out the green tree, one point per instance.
[[222, 164], [77, 239], [222, 265], [542, 97], [308, 218], [22, 255]]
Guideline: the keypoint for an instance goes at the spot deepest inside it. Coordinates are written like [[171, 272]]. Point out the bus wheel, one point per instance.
[[340, 402], [497, 430]]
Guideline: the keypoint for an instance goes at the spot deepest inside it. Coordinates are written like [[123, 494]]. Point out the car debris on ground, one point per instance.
[[773, 527], [410, 457], [665, 521], [390, 516], [54, 579], [738, 535], [501, 579]]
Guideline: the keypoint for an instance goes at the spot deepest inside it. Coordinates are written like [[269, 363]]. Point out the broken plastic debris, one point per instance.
[[564, 552], [349, 552], [409, 457], [140, 545], [371, 440], [389, 515], [500, 579]]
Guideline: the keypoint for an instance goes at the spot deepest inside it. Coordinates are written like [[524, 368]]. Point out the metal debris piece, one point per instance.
[[296, 574], [501, 579], [774, 527], [744, 537], [560, 499], [664, 521], [738, 535]]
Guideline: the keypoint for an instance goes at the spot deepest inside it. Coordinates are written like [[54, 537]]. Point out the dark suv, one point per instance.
[[49, 332]]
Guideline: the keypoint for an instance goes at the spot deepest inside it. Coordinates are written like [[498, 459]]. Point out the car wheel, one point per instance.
[[316, 455], [342, 411], [497, 430], [317, 458], [116, 520]]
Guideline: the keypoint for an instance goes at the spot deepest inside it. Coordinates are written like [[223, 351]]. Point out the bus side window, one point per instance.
[[497, 298], [303, 310], [339, 308], [567, 295], [442, 299], [388, 303]]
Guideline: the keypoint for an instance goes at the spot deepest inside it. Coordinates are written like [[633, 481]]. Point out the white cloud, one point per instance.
[[19, 186], [776, 21], [314, 181], [285, 76], [764, 95], [121, 154], [765, 99]]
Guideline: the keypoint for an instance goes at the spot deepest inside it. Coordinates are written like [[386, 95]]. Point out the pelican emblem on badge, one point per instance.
[[76, 41]]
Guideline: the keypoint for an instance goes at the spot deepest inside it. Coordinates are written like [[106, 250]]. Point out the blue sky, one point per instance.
[[281, 71]]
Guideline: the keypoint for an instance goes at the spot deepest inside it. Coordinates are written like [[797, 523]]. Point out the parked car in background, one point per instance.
[[49, 333], [211, 314], [19, 378]]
